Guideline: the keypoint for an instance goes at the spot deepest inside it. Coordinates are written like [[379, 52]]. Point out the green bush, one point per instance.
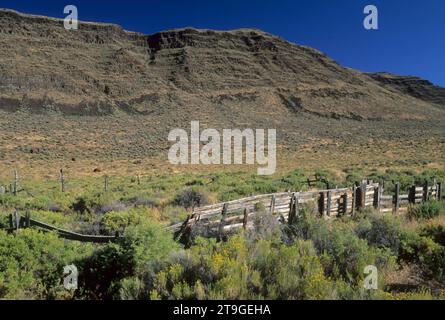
[[344, 254], [191, 198], [119, 221], [433, 263], [435, 232], [427, 254], [427, 210], [381, 231], [31, 264], [141, 249], [240, 269], [413, 246]]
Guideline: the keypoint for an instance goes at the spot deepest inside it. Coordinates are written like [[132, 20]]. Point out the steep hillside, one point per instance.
[[102, 95], [100, 68]]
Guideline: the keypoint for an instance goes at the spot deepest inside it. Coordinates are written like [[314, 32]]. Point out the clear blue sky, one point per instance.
[[410, 41]]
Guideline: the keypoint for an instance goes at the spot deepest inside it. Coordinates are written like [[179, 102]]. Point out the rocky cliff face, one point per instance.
[[413, 86], [100, 69]]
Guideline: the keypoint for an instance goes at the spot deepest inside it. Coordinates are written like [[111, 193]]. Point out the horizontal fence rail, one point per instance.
[[16, 222]]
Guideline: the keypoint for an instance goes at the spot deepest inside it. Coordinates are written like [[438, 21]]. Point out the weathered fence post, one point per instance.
[[328, 206], [245, 219], [412, 195], [426, 192], [16, 180], [397, 198], [179, 234], [222, 222], [272, 204], [27, 219], [293, 210], [106, 183], [434, 185], [378, 196], [296, 207], [11, 221], [363, 190], [354, 199], [321, 207], [62, 180], [17, 220], [345, 203], [439, 191]]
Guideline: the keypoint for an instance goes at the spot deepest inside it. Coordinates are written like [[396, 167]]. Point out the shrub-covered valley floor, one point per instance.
[[311, 259]]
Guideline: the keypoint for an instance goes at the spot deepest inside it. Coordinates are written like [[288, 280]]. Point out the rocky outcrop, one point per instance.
[[413, 86]]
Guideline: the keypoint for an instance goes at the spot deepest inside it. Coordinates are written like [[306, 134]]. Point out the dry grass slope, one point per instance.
[[102, 95]]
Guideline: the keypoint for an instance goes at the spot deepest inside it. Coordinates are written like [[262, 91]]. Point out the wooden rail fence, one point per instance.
[[219, 219]]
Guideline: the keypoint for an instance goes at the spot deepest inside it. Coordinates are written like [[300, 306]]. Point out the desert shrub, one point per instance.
[[263, 187], [132, 288], [343, 254], [381, 231], [240, 191], [55, 207], [142, 201], [347, 255], [31, 264], [413, 246], [424, 252], [119, 221], [114, 206], [331, 177], [293, 181], [4, 220], [354, 175], [90, 227], [191, 198], [80, 205], [427, 210], [102, 271], [433, 264], [391, 177], [266, 227], [8, 201], [240, 269], [435, 232], [174, 213], [140, 250], [98, 203]]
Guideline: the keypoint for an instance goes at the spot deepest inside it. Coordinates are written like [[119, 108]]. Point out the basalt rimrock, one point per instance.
[[101, 68], [413, 86]]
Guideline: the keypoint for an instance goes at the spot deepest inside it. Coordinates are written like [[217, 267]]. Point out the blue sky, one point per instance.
[[410, 41]]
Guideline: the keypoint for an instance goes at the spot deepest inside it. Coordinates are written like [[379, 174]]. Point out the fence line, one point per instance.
[[218, 219], [16, 222]]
